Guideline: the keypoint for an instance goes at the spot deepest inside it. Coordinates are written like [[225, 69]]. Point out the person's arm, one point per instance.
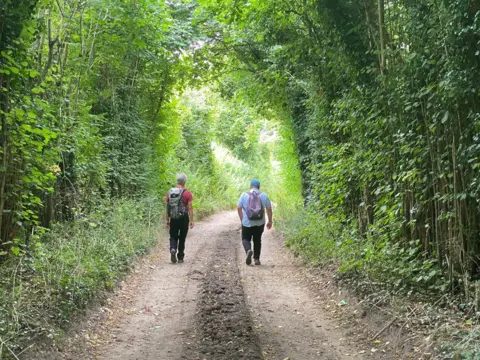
[[167, 218], [240, 208], [240, 212], [190, 214], [268, 206], [270, 218]]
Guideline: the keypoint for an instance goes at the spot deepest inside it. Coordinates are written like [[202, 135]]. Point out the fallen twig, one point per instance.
[[4, 343], [21, 352], [384, 328]]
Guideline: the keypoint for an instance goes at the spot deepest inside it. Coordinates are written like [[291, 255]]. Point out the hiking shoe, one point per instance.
[[180, 261], [173, 256], [257, 262], [248, 260]]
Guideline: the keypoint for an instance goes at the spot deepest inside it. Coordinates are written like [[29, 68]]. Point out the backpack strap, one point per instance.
[[249, 192], [181, 196]]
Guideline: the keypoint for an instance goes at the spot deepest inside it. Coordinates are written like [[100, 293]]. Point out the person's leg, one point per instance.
[[182, 237], [257, 241], [247, 243], [174, 235], [247, 238], [174, 232]]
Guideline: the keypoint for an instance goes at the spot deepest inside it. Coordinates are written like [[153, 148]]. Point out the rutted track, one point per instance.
[[223, 327], [212, 307]]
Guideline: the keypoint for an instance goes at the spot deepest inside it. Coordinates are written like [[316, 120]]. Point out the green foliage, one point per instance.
[[384, 106], [322, 240], [69, 265], [238, 128], [370, 113], [286, 180], [92, 123], [382, 99], [84, 105], [464, 343]]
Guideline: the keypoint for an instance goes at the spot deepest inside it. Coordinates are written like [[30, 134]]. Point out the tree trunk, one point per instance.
[[4, 165], [3, 174], [381, 28]]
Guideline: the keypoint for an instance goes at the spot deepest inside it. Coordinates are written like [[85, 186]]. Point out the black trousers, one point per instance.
[[255, 233], [178, 234]]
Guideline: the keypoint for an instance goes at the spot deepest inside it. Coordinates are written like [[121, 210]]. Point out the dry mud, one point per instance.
[[223, 327]]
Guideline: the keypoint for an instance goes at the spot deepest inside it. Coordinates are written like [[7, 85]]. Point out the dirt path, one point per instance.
[[290, 321], [214, 307]]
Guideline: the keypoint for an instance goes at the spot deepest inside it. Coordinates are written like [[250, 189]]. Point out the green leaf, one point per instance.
[[445, 117], [38, 90]]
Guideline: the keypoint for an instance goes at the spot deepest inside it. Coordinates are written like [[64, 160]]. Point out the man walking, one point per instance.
[[251, 210], [179, 217]]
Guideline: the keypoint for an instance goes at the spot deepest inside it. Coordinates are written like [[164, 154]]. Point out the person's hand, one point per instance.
[[269, 225], [168, 224], [192, 224]]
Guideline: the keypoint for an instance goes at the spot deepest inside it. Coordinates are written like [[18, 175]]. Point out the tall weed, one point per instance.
[[333, 239], [322, 240], [67, 267]]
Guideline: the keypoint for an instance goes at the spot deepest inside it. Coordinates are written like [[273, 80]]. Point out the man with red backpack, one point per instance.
[[251, 210], [179, 217]]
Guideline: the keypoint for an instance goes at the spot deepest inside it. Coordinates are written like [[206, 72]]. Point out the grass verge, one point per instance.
[[67, 267], [374, 266]]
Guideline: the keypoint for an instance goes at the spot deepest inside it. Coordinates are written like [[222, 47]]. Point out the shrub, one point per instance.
[[70, 265]]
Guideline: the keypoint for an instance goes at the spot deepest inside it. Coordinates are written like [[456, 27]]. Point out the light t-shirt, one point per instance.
[[243, 202]]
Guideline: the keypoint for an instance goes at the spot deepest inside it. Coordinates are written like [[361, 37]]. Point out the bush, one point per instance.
[[65, 268], [323, 240], [212, 193], [330, 239], [70, 265]]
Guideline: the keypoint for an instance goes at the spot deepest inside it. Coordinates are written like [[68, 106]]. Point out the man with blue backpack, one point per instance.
[[251, 209]]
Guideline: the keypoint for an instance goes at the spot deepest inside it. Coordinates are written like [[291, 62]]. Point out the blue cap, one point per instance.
[[255, 182]]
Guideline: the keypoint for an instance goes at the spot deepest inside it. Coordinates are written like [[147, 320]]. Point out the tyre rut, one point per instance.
[[223, 326]]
